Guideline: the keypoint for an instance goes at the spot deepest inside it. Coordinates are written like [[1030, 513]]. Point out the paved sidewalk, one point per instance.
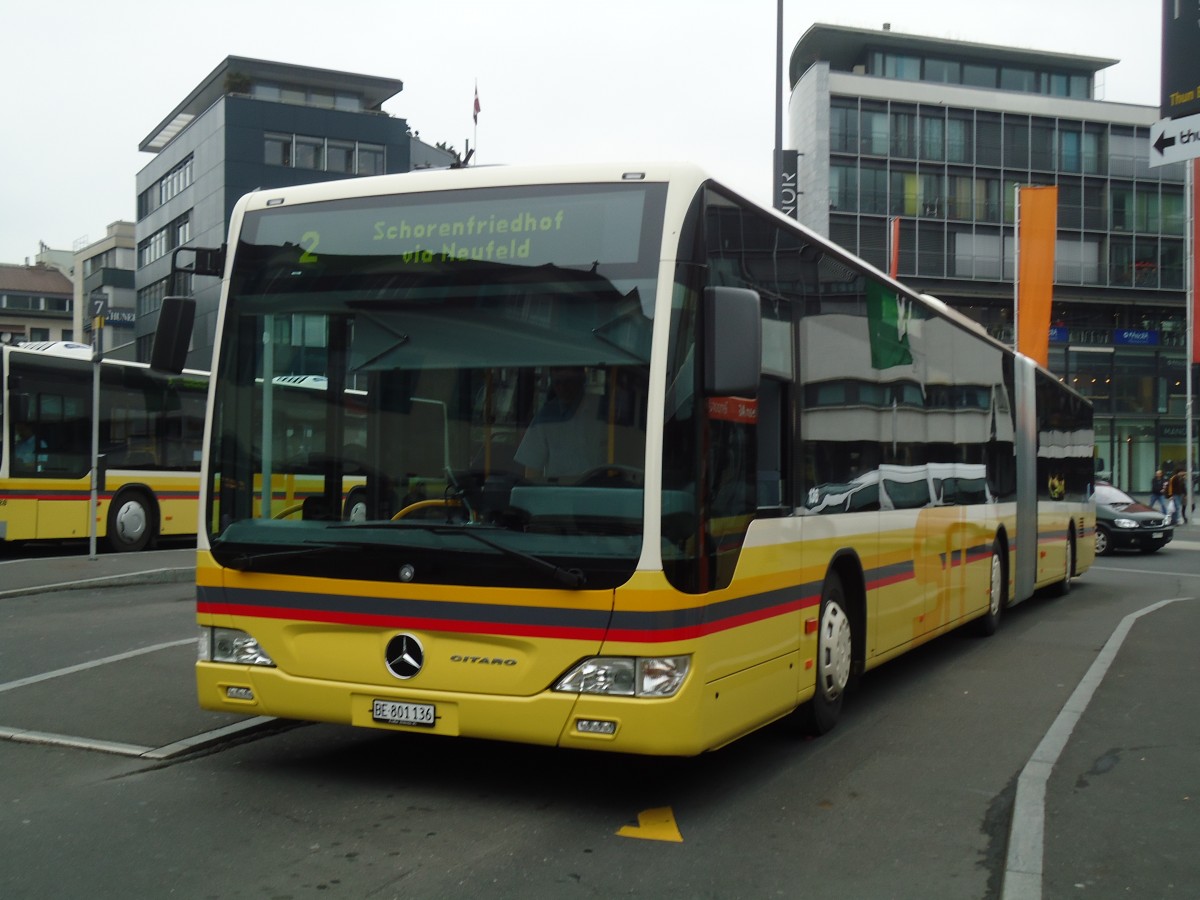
[[61, 573]]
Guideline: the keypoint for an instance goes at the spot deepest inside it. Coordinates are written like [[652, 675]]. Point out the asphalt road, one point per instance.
[[1071, 733]]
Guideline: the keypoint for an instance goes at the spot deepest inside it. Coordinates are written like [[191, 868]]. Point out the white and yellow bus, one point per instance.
[[151, 428], [637, 465]]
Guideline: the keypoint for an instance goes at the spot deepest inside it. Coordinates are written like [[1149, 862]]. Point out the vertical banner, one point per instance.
[[1037, 231], [787, 187]]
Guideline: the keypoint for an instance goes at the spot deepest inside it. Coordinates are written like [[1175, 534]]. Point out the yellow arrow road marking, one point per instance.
[[654, 825]]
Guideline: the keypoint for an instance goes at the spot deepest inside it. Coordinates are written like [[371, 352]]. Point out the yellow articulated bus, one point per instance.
[[151, 428], [637, 465]]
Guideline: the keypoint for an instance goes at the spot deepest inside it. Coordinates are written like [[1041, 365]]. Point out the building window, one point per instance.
[[943, 71], [843, 128], [1018, 80], [905, 68], [843, 188], [150, 298], [873, 190], [1070, 147], [959, 145], [1016, 142], [1094, 156], [163, 241], [370, 159], [904, 135], [874, 132], [342, 157], [975, 75], [987, 140], [166, 188], [310, 153], [277, 149], [933, 137], [1042, 155], [265, 91], [339, 156]]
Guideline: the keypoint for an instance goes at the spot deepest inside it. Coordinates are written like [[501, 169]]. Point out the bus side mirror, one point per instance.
[[732, 342], [173, 334]]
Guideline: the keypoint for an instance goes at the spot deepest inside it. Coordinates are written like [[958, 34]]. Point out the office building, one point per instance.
[[104, 272], [937, 133], [251, 124]]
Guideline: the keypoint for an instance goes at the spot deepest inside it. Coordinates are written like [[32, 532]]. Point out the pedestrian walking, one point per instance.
[[1158, 487], [1177, 491]]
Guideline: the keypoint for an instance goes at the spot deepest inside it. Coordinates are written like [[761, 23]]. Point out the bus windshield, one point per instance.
[[441, 387]]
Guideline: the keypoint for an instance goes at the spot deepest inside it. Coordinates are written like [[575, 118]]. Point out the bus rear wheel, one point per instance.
[[835, 657], [997, 589], [1064, 587], [131, 522]]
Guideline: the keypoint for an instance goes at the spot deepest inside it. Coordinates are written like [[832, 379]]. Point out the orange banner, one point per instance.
[[1035, 277]]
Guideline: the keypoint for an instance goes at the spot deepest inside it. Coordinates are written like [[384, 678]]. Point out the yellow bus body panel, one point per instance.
[[752, 646]]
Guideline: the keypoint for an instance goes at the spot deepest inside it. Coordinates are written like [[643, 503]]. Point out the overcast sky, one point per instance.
[[559, 80]]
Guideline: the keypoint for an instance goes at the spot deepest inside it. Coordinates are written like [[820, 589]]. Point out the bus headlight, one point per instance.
[[627, 676], [228, 645]]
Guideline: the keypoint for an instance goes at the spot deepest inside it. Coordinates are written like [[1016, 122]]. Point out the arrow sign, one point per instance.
[[1174, 140], [654, 825]]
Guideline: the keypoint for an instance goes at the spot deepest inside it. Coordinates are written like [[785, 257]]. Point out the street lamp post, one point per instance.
[[98, 303]]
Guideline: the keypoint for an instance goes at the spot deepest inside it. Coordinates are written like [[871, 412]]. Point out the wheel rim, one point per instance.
[[996, 587], [1101, 541], [131, 521], [1070, 562], [833, 666]]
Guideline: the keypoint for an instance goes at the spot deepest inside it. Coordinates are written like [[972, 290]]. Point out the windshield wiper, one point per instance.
[[572, 578], [244, 561]]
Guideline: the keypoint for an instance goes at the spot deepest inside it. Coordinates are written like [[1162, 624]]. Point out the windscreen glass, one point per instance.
[[443, 387]]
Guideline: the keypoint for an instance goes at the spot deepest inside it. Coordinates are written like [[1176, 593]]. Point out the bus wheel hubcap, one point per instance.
[[834, 651], [131, 521], [994, 600]]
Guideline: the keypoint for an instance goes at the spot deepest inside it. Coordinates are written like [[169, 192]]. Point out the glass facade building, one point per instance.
[[939, 134]]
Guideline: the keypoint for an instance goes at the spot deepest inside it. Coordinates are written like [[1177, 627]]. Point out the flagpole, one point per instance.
[[1189, 297]]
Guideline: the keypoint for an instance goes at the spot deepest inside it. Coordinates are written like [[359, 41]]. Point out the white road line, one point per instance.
[[1026, 836], [82, 667], [26, 736], [167, 751], [187, 745], [1156, 573]]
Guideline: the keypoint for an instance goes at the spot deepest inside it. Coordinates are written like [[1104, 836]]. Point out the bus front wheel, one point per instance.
[[834, 657], [130, 522]]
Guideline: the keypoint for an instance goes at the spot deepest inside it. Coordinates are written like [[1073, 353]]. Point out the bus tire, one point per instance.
[[997, 593], [355, 508], [1064, 587], [131, 522], [835, 659]]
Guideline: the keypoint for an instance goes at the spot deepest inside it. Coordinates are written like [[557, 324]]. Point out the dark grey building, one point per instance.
[[937, 133], [251, 124]]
